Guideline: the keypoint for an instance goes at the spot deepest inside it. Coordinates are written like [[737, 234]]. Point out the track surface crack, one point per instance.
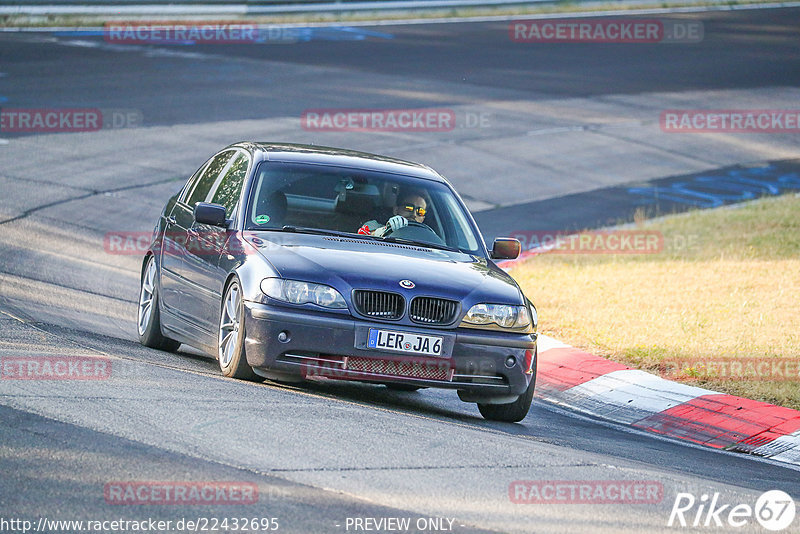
[[92, 193]]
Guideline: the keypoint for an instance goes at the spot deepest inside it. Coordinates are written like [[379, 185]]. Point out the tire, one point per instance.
[[148, 317], [230, 346], [402, 387], [513, 412]]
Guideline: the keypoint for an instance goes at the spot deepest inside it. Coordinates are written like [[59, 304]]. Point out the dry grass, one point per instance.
[[733, 293]]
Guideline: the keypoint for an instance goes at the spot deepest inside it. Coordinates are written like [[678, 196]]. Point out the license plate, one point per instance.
[[404, 342]]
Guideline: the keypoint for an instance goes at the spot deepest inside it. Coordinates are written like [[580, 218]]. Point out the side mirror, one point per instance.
[[506, 248], [212, 214]]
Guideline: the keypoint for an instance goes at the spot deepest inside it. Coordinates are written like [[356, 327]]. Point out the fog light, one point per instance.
[[511, 361], [283, 337]]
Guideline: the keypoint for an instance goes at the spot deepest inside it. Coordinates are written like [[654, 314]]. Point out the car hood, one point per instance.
[[351, 263]]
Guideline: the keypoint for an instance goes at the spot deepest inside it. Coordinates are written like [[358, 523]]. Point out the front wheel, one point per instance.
[[231, 355], [512, 412], [148, 318]]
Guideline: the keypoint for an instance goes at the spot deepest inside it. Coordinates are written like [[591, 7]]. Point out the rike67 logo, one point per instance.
[[774, 510]]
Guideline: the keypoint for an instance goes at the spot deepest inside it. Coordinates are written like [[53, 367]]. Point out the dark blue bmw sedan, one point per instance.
[[293, 262]]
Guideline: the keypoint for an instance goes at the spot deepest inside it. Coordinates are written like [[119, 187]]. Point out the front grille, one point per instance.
[[433, 311], [379, 304], [416, 368], [337, 367]]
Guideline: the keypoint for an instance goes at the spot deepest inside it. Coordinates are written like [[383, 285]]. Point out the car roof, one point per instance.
[[323, 155]]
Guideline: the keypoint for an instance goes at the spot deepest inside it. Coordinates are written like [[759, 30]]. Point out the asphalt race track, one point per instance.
[[534, 122]]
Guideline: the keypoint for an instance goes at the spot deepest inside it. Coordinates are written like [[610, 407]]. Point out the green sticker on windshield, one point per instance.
[[262, 219]]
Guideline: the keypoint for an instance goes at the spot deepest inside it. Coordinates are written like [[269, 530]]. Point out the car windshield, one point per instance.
[[308, 197]]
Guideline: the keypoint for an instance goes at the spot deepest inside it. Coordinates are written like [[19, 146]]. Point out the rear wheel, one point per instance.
[[231, 355], [148, 317]]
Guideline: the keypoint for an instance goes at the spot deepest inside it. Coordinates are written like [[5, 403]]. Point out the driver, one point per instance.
[[411, 207]]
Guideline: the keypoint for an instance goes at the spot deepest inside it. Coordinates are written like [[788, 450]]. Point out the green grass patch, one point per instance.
[[726, 286]]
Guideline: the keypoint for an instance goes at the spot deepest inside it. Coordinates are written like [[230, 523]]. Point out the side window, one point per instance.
[[209, 178], [229, 185], [191, 182]]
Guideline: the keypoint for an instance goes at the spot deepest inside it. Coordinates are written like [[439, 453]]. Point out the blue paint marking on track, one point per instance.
[[674, 194], [280, 34], [267, 35], [711, 191], [80, 33], [102, 33]]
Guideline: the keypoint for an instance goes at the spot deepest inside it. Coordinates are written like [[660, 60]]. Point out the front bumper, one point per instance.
[[287, 343]]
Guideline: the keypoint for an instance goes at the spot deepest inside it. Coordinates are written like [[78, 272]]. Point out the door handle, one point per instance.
[[171, 220]]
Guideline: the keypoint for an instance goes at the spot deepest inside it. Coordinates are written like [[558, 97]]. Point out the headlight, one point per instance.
[[502, 315], [298, 292]]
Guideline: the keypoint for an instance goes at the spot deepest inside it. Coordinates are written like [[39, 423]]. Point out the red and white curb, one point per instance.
[[599, 387]]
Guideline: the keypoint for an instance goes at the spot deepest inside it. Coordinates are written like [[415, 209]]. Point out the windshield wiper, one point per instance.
[[420, 243], [300, 230], [353, 235], [322, 231], [309, 230]]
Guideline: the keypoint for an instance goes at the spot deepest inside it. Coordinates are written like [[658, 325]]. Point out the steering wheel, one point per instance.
[[410, 223], [417, 231]]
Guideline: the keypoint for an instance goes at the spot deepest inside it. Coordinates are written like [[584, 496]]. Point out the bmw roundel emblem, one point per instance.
[[408, 284]]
